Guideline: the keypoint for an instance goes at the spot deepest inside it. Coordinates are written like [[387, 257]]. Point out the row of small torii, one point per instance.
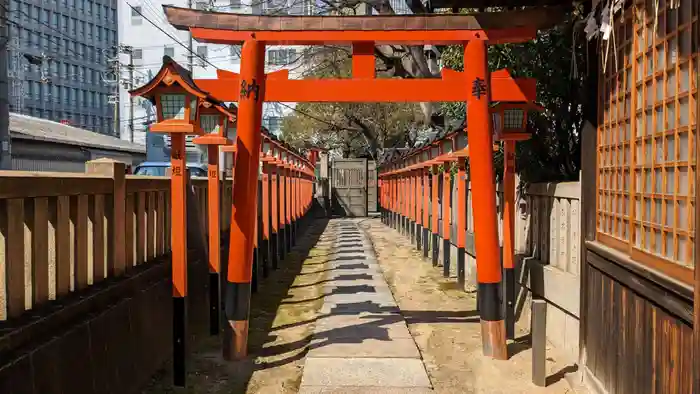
[[195, 107]]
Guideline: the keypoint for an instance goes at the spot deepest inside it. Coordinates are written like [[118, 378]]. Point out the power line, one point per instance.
[[207, 61], [170, 36]]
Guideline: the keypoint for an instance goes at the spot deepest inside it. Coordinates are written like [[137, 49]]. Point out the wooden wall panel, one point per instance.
[[633, 344]]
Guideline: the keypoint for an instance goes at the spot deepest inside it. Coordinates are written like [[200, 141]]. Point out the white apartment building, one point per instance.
[[149, 44]]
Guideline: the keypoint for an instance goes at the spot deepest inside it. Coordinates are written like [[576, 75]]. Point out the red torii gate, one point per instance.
[[253, 86]]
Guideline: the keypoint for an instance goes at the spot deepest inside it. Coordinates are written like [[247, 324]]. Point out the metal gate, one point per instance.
[[349, 186], [372, 192]]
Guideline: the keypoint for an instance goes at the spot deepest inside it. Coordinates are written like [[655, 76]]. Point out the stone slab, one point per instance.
[[357, 280], [374, 271], [364, 390], [378, 298], [367, 372], [357, 308], [354, 326], [355, 287], [363, 347]]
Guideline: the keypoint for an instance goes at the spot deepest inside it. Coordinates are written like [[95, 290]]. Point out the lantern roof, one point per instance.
[[171, 72]]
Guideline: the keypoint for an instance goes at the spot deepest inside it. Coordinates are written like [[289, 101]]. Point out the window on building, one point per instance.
[[280, 57], [235, 52], [25, 12], [136, 18], [647, 130], [202, 51], [273, 123], [138, 54], [89, 30], [169, 51], [201, 5], [235, 3]]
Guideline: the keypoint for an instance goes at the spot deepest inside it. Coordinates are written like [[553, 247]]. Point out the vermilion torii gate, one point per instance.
[[473, 86]]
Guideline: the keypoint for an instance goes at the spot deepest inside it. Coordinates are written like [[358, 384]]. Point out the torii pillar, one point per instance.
[[245, 197], [484, 202]]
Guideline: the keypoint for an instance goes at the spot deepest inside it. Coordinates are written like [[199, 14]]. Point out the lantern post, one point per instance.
[[214, 121], [176, 99], [509, 126]]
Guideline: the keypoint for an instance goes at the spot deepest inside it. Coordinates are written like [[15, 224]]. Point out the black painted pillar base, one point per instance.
[[509, 301], [179, 340], [265, 257], [419, 232], [289, 230], [446, 246], [283, 243], [426, 235], [256, 267], [395, 222], [214, 303], [436, 249], [489, 301], [274, 256], [292, 234], [461, 267]]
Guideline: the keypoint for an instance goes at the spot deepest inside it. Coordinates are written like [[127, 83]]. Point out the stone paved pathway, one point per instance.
[[361, 343]]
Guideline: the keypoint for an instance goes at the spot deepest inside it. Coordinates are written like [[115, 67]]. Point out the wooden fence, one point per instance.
[[59, 231]]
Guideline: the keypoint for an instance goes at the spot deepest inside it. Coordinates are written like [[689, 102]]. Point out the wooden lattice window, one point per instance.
[[646, 136]]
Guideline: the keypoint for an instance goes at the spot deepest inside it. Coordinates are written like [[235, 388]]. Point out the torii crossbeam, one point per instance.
[[476, 86]]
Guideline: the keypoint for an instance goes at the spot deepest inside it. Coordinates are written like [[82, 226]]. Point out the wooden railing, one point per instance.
[[59, 231]]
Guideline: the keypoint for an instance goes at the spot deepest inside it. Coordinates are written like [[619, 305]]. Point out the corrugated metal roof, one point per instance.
[[29, 127]]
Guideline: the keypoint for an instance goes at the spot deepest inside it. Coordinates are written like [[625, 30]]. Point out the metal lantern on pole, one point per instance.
[[213, 119], [509, 126], [176, 98]]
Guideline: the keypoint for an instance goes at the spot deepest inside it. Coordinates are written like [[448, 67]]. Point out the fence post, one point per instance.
[[116, 261], [538, 331]]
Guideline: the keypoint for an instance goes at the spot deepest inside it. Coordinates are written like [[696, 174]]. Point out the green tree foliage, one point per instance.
[[557, 59]]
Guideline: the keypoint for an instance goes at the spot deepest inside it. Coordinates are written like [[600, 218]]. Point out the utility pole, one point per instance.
[[5, 142], [45, 79], [129, 84], [16, 75], [114, 69], [190, 60]]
